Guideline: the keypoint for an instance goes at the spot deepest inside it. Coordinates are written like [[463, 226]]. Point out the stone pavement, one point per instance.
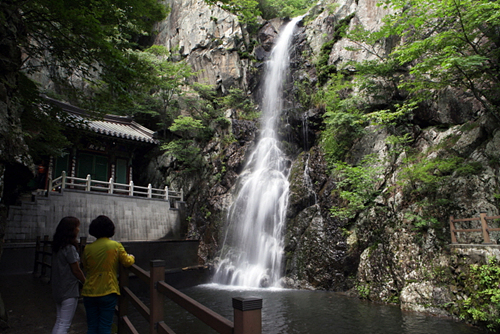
[[30, 307]]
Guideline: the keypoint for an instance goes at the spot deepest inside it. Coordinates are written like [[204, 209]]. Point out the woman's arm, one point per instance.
[[125, 259], [75, 269]]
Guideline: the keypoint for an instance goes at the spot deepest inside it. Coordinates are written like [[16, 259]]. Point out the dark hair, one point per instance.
[[101, 227], [65, 233]]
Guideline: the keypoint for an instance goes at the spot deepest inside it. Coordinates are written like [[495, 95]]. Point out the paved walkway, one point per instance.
[[30, 306]]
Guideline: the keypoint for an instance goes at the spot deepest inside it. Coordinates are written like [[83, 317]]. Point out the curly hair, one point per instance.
[[102, 227], [65, 233]]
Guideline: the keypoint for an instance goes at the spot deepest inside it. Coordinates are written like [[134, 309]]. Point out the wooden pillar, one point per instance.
[[484, 226], [452, 231], [45, 255], [81, 246], [157, 273], [247, 315], [38, 251]]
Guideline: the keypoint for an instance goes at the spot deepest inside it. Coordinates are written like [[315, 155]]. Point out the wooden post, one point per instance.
[[37, 254], [81, 246], [166, 193], [131, 188], [484, 226], [150, 190], [452, 230], [157, 273], [182, 195], [247, 315], [45, 255], [123, 280]]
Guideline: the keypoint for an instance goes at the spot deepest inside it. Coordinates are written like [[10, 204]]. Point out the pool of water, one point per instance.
[[287, 311]]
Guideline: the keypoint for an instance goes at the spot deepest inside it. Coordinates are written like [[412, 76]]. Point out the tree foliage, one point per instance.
[[160, 85], [424, 46], [441, 44], [72, 43], [483, 303], [284, 8], [246, 10], [82, 38]]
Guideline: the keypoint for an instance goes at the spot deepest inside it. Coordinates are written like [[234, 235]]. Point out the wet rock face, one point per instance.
[[316, 250]]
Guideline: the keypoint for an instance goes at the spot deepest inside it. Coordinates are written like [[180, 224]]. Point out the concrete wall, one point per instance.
[[135, 218]]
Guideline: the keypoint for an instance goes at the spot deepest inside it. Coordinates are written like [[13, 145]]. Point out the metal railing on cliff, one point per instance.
[[110, 187]]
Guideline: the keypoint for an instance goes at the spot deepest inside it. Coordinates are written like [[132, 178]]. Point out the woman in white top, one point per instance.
[[66, 273]]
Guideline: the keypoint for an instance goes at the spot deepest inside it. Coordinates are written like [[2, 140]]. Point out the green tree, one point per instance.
[[246, 10], [284, 8], [73, 43], [160, 86], [343, 119], [441, 44]]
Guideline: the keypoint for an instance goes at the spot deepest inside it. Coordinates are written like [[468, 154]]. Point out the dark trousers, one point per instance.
[[100, 312]]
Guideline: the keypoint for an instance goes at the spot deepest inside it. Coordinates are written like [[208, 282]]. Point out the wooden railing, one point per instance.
[[110, 187], [43, 255], [247, 311], [484, 229]]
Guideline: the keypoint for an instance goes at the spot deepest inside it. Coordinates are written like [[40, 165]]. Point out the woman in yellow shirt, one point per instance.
[[100, 262]]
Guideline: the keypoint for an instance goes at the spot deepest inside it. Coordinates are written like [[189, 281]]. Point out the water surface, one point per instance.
[[311, 312]]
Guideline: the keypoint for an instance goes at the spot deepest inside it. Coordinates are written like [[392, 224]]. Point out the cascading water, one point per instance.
[[253, 247]]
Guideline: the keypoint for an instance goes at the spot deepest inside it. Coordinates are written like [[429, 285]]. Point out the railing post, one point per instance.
[[452, 230], [157, 273], [166, 193], [81, 246], [484, 226], [63, 180], [45, 255], [247, 315], [182, 195], [123, 281], [37, 254], [131, 188], [49, 185], [111, 186], [150, 190], [87, 188]]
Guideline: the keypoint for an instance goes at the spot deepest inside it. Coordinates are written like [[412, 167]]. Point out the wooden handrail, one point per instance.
[[485, 229], [209, 317], [247, 311]]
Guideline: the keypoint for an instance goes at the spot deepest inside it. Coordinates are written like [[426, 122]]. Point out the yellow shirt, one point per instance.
[[100, 262]]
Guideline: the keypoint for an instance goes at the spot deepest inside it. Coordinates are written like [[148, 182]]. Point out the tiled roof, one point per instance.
[[111, 125]]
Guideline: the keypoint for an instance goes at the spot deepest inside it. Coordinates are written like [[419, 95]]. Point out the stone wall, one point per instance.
[[135, 218]]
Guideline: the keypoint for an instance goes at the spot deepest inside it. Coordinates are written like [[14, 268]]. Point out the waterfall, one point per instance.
[[252, 251]]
